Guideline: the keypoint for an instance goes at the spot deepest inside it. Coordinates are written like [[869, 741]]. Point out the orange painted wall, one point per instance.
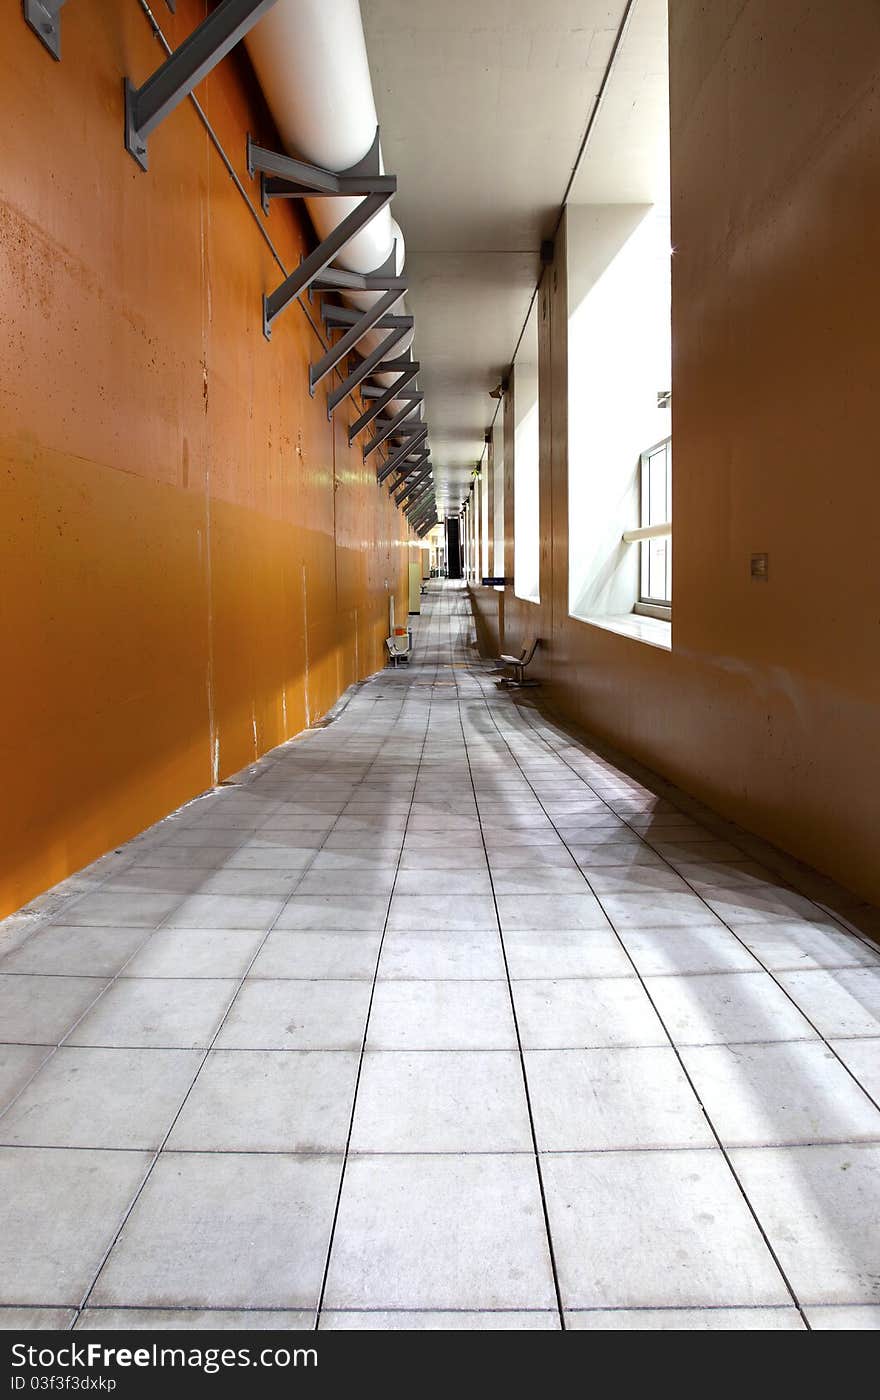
[[768, 706], [194, 561]]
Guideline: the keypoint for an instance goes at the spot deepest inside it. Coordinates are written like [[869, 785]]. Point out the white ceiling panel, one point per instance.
[[483, 106]]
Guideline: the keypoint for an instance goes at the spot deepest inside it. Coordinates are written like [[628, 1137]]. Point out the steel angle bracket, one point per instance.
[[343, 347], [283, 177], [147, 106], [414, 489], [373, 363], [425, 509], [414, 458], [412, 472], [44, 18], [387, 430], [414, 494], [316, 261], [334, 317], [396, 457], [414, 462], [398, 390]]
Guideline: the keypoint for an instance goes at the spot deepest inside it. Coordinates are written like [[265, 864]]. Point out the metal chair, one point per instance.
[[518, 665]]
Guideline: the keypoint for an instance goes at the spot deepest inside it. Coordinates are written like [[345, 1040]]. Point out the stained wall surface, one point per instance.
[[768, 705], [195, 564]]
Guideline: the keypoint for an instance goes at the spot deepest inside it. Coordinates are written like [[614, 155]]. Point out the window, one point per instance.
[[655, 588], [526, 477]]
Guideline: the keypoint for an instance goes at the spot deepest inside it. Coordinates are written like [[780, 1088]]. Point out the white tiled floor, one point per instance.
[[436, 1018]]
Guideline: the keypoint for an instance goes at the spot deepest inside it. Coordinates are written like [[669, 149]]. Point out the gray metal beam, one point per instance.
[[410, 496], [388, 429], [173, 80], [412, 464], [411, 490], [285, 177], [409, 469], [372, 363], [376, 391], [398, 389], [414, 521], [423, 510], [334, 279], [334, 316], [426, 509], [394, 366], [397, 457], [44, 18], [311, 266], [412, 473], [344, 346]]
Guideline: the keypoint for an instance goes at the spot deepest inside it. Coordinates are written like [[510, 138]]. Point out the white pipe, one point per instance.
[[648, 532], [311, 59]]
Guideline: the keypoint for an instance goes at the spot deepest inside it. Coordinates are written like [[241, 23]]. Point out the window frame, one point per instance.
[[647, 605]]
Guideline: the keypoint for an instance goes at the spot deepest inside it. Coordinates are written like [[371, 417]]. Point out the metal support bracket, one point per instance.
[[396, 457], [420, 497], [411, 468], [390, 428], [285, 177], [423, 502], [44, 18], [334, 279], [344, 346], [373, 363], [422, 508], [412, 489], [398, 390], [173, 80], [335, 316], [311, 266], [425, 508]]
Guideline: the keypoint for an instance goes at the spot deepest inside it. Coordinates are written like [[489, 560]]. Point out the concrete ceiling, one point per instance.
[[483, 106]]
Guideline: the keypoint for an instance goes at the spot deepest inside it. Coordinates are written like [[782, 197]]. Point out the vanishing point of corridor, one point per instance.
[[434, 1018]]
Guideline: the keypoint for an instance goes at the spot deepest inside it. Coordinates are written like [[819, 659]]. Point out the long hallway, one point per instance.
[[433, 1018]]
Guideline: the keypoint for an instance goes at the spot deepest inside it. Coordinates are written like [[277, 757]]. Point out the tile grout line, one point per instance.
[[319, 1308], [80, 1307], [536, 1157], [674, 1047], [725, 924], [109, 982]]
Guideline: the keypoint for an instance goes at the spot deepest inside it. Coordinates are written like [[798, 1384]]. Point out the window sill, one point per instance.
[[651, 630]]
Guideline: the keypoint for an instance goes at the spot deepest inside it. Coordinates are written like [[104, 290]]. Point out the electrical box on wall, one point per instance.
[[760, 567]]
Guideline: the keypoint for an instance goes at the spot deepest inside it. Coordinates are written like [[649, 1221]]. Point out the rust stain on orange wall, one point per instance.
[[194, 560]]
